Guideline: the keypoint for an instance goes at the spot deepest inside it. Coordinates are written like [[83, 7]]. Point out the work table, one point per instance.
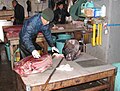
[[6, 14], [80, 74]]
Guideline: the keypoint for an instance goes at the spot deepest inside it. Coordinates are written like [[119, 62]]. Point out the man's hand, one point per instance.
[[54, 49], [35, 54]]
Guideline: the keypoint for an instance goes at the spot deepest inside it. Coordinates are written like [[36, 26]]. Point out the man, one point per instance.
[[18, 13], [28, 7], [60, 14], [30, 29]]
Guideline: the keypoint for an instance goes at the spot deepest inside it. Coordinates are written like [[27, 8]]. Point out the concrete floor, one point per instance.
[[7, 81], [7, 76]]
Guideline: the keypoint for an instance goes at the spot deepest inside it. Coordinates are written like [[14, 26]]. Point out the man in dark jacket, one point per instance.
[[30, 29], [60, 14], [18, 13], [28, 7]]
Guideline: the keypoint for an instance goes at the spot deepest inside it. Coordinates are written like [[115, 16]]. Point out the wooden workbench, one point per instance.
[[15, 40], [97, 71], [6, 14]]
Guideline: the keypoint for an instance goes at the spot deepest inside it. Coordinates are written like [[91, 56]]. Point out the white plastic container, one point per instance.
[[103, 11]]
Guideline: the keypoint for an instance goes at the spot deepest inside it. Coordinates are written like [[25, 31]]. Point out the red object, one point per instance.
[[14, 28], [13, 31], [30, 65]]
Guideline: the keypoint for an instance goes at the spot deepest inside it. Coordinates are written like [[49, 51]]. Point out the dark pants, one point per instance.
[[24, 52], [17, 22]]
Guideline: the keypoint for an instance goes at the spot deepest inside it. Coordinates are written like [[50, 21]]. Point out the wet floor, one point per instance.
[[7, 81]]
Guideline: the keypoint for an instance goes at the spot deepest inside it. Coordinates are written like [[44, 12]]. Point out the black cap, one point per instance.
[[59, 3]]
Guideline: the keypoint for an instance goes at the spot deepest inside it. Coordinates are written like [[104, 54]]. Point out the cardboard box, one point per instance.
[[89, 12]]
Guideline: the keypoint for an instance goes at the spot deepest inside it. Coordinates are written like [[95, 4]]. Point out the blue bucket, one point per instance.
[[64, 36], [60, 44], [49, 48], [54, 38]]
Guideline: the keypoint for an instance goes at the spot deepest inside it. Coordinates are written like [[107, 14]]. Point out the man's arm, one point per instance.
[[26, 37], [48, 36]]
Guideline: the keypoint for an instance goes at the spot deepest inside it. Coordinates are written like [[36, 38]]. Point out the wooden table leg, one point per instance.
[[84, 48], [45, 47], [111, 81]]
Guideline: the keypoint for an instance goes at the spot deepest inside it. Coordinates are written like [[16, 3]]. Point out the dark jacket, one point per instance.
[[28, 5], [19, 14], [58, 13], [29, 32]]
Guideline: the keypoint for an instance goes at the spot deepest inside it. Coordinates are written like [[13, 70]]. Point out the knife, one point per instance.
[[46, 83]]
